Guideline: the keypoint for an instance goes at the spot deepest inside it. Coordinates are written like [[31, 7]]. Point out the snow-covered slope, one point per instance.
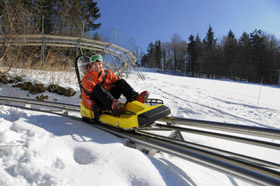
[[44, 149]]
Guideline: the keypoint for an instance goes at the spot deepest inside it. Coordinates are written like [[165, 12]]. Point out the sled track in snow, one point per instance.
[[250, 169]]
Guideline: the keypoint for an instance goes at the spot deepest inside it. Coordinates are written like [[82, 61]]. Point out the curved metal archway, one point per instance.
[[125, 57]]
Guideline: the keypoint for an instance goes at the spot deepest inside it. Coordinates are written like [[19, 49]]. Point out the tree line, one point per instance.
[[253, 57], [56, 17]]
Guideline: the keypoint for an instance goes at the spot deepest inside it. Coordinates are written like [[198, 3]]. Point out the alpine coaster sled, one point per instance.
[[135, 114]]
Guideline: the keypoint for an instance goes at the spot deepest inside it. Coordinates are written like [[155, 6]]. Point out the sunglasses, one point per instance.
[[96, 58]]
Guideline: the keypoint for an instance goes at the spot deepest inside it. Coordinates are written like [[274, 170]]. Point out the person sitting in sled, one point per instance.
[[101, 89]]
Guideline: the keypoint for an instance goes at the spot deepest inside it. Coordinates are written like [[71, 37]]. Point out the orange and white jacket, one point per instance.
[[93, 78]]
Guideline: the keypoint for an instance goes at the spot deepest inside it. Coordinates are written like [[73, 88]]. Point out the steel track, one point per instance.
[[232, 128], [220, 151], [226, 127], [246, 140], [250, 169]]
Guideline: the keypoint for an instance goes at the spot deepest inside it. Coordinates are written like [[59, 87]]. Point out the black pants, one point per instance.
[[105, 98]]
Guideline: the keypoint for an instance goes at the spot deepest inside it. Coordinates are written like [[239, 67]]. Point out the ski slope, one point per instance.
[[45, 149]]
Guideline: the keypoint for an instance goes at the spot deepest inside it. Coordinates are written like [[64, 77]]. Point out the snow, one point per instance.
[[45, 149]]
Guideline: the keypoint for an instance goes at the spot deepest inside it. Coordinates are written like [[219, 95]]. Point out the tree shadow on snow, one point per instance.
[[232, 181], [166, 168]]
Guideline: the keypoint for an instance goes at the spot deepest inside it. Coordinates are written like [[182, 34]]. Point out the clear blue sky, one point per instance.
[[150, 20]]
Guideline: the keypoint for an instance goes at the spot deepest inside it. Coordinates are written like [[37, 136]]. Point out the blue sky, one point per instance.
[[150, 20]]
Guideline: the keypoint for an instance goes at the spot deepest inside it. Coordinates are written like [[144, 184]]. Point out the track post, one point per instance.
[[142, 148], [175, 134]]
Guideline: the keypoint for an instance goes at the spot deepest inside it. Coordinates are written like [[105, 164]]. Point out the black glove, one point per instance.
[[96, 110]]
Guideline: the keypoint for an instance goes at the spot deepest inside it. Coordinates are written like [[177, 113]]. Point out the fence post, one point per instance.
[[115, 34], [42, 56], [278, 78], [1, 24], [79, 41], [260, 92]]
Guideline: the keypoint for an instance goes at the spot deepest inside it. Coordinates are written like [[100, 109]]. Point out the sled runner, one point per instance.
[[134, 114]]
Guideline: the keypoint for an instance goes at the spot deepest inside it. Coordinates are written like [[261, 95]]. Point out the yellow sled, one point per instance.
[[135, 115]]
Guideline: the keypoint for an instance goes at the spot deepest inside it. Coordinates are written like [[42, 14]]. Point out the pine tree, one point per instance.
[[158, 54], [59, 16], [230, 67], [144, 61], [199, 54], [74, 16], [244, 56], [210, 54], [210, 39], [259, 56], [150, 55], [274, 59], [90, 13], [192, 56]]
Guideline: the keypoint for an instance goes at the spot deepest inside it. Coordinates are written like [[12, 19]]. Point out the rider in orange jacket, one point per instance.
[[101, 88]]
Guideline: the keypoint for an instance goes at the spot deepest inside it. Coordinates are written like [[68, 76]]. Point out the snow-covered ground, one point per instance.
[[45, 149]]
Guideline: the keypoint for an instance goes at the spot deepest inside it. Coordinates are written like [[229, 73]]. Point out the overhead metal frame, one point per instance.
[[124, 55]]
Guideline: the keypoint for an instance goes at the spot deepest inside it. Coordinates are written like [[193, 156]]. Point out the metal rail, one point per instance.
[[224, 136], [224, 152], [62, 106], [240, 129], [232, 128], [215, 153], [255, 171], [66, 41]]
